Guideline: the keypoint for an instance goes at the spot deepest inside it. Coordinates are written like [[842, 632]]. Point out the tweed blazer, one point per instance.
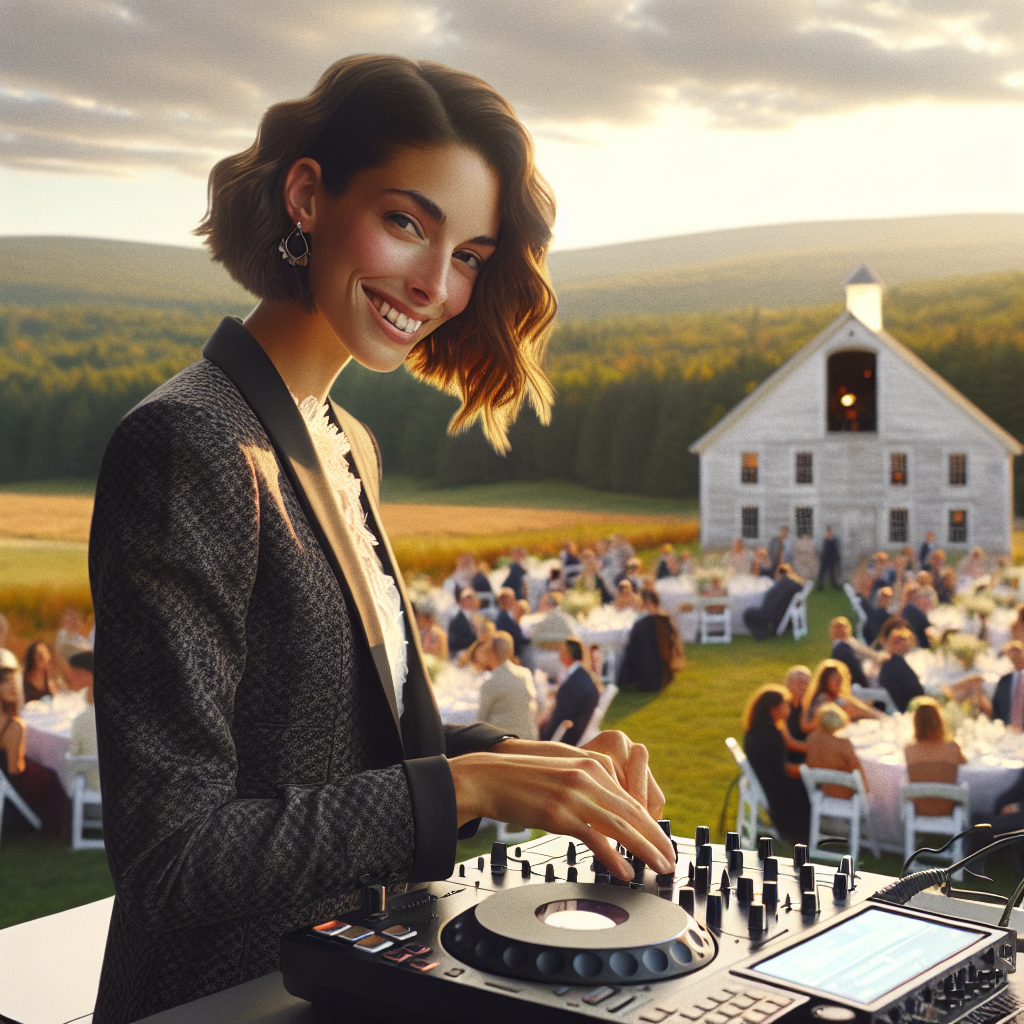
[[254, 769]]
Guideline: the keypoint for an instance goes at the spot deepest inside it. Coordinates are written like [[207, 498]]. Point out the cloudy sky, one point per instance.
[[652, 117]]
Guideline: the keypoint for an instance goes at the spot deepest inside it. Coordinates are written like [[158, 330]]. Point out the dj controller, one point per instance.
[[543, 933]]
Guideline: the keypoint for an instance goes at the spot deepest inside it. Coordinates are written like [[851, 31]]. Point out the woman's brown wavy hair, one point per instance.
[[361, 112]]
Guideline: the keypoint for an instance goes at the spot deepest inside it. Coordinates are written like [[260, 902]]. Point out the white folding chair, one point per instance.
[[594, 725], [852, 809], [873, 694], [796, 613], [715, 621], [935, 824], [81, 798], [858, 609], [8, 792], [752, 801]]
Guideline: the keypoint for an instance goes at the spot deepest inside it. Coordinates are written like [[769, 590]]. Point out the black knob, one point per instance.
[[462, 871], [701, 836], [549, 873], [744, 889], [636, 886], [689, 871], [705, 855], [809, 903], [846, 866], [519, 851], [664, 881], [713, 912], [638, 869], [801, 855], [702, 879], [665, 824], [807, 879], [770, 894], [570, 854], [765, 847], [572, 875], [499, 858], [527, 870], [732, 841], [770, 869], [725, 884], [736, 861], [479, 863], [687, 899], [757, 918], [840, 886], [374, 899]]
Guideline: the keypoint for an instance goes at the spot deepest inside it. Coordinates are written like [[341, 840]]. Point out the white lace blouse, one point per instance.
[[332, 446]]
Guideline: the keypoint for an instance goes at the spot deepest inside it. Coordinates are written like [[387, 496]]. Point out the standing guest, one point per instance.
[[798, 678], [780, 549], [761, 564], [927, 549], [571, 564], [516, 578], [654, 650], [508, 618], [740, 558], [841, 632], [508, 697], [465, 570], [830, 684], [764, 621], [462, 630], [829, 560], [934, 756], [40, 678], [805, 557], [826, 750], [896, 675], [877, 614], [83, 725], [1008, 700], [765, 748], [576, 699], [433, 639], [71, 637], [668, 563], [915, 613], [481, 582]]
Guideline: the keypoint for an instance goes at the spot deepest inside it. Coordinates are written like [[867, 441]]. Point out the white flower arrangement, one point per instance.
[[964, 647], [979, 605], [580, 603]]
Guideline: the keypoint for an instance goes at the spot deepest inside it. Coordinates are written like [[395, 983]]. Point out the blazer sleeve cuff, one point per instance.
[[435, 817], [473, 739]]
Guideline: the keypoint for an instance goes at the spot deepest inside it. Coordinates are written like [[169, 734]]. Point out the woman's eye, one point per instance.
[[405, 223], [470, 259]]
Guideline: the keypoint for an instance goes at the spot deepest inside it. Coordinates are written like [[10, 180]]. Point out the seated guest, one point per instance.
[[433, 639], [740, 559], [805, 557], [462, 628], [591, 578], [686, 564], [945, 586], [764, 621], [654, 651], [71, 636], [883, 574], [549, 600], [925, 579], [878, 614], [668, 564], [896, 675], [571, 563], [508, 619], [826, 750], [83, 725], [465, 570], [634, 573], [39, 787], [971, 567], [841, 632], [915, 613], [761, 565], [765, 748], [516, 578], [1008, 701], [576, 698], [934, 756], [798, 678], [39, 677], [477, 655], [508, 698], [627, 597], [830, 684], [556, 580]]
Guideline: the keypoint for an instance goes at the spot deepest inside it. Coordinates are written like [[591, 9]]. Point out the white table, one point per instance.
[[997, 626], [48, 731], [744, 591], [936, 670]]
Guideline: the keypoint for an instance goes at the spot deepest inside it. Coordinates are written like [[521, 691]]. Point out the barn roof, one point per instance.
[[758, 395]]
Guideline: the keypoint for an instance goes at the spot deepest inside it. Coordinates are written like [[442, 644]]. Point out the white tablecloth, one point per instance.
[[458, 692], [997, 626], [48, 731], [744, 592], [936, 670]]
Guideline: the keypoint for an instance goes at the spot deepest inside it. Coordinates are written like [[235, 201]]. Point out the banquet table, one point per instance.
[[48, 731], [953, 617], [995, 758], [936, 670], [745, 592]]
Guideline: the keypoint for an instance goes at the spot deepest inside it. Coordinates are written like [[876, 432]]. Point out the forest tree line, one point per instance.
[[632, 393]]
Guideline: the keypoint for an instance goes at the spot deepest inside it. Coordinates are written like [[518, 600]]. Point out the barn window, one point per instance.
[[958, 470], [750, 525], [851, 391], [958, 526], [898, 468], [805, 522], [899, 521], [804, 468], [748, 468]]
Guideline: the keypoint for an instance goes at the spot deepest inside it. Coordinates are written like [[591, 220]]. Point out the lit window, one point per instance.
[[958, 470], [898, 526], [805, 522], [898, 468], [750, 526], [958, 526], [804, 468], [748, 468]]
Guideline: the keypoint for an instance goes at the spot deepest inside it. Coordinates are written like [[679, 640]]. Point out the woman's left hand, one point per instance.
[[615, 752]]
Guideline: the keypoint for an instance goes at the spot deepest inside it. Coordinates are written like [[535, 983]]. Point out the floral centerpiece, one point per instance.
[[579, 603], [964, 647], [978, 605]]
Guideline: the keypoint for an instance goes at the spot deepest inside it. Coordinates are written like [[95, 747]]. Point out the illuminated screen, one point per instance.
[[867, 956]]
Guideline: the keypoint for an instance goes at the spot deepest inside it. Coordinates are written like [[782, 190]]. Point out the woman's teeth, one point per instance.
[[400, 320]]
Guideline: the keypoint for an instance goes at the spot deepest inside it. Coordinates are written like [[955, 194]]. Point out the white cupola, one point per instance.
[[864, 297]]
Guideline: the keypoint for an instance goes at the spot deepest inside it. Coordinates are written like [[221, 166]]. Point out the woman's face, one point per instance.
[[781, 711], [833, 684], [41, 659], [398, 253]]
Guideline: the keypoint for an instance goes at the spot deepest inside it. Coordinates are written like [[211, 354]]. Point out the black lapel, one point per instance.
[[237, 353]]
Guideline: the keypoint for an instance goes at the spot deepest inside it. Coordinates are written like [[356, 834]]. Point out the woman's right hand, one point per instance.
[[570, 796]]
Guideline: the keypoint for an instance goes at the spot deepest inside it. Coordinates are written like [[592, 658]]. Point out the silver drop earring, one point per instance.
[[285, 247]]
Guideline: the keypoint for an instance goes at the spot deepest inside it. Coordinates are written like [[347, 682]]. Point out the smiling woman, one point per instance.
[[268, 737]]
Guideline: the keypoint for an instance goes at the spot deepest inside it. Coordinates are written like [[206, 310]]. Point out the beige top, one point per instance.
[[933, 761], [508, 699], [827, 751], [83, 741]]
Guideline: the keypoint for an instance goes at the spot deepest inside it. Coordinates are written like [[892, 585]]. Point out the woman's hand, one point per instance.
[[574, 796]]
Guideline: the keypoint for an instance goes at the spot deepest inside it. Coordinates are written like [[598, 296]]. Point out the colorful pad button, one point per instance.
[[353, 933], [416, 949], [398, 932], [373, 944], [397, 956], [421, 965]]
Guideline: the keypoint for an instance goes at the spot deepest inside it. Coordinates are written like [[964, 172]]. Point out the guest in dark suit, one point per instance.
[[577, 696], [877, 615], [840, 631], [653, 650], [829, 560], [1008, 701], [896, 675], [461, 630], [268, 737], [481, 582], [927, 549], [780, 549], [516, 578], [915, 613], [508, 619], [762, 622]]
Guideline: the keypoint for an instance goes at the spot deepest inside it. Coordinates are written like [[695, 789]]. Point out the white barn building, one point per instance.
[[855, 432]]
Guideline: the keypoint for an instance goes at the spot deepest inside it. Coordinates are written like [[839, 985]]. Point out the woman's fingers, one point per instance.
[[655, 797], [636, 774]]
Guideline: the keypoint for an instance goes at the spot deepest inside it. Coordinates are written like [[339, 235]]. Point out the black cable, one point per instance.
[[928, 849], [1008, 839], [1004, 917], [904, 889]]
